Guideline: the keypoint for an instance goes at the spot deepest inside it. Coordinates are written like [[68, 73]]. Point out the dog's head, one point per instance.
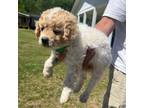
[[56, 26]]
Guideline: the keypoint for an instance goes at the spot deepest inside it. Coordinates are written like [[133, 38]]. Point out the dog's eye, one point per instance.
[[58, 31], [42, 28]]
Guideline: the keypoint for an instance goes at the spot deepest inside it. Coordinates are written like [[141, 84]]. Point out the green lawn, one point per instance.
[[38, 92]]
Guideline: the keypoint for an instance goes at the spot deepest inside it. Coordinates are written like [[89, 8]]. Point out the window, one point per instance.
[[81, 18], [89, 15]]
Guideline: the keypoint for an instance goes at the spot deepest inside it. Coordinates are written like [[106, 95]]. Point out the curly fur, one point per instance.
[[60, 27]]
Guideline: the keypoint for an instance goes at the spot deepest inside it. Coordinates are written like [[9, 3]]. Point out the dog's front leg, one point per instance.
[[47, 70], [79, 83], [68, 84]]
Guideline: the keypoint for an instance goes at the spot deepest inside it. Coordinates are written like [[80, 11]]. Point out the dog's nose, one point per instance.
[[45, 41]]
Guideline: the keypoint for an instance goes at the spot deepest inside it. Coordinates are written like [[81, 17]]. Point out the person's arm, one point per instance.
[[106, 25]]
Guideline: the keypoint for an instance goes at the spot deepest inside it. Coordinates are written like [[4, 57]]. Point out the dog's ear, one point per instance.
[[37, 29], [70, 28]]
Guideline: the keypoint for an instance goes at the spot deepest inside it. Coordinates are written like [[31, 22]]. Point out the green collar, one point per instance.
[[61, 49]]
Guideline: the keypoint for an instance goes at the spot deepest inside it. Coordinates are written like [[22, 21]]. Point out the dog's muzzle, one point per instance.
[[45, 41]]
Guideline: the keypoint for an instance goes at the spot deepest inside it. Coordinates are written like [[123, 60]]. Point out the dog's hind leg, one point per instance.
[[49, 63], [96, 75]]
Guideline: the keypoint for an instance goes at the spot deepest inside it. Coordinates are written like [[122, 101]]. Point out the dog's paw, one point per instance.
[[84, 97], [47, 73], [64, 99], [65, 95]]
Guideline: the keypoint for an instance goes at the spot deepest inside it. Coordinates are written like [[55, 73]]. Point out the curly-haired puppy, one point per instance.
[[58, 28]]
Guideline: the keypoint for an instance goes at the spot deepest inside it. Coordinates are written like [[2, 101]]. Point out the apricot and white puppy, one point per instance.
[[57, 28]]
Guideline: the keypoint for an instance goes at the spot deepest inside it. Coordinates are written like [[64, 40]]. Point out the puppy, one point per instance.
[[58, 29]]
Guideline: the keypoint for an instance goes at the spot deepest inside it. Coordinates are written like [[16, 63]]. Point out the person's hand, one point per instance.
[[89, 55]]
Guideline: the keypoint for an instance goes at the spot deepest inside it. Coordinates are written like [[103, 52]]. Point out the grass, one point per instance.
[[38, 92]]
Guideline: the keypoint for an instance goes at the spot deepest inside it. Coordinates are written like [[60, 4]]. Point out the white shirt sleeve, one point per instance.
[[116, 9]]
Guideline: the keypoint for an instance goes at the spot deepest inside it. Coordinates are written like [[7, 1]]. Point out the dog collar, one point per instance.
[[61, 49]]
